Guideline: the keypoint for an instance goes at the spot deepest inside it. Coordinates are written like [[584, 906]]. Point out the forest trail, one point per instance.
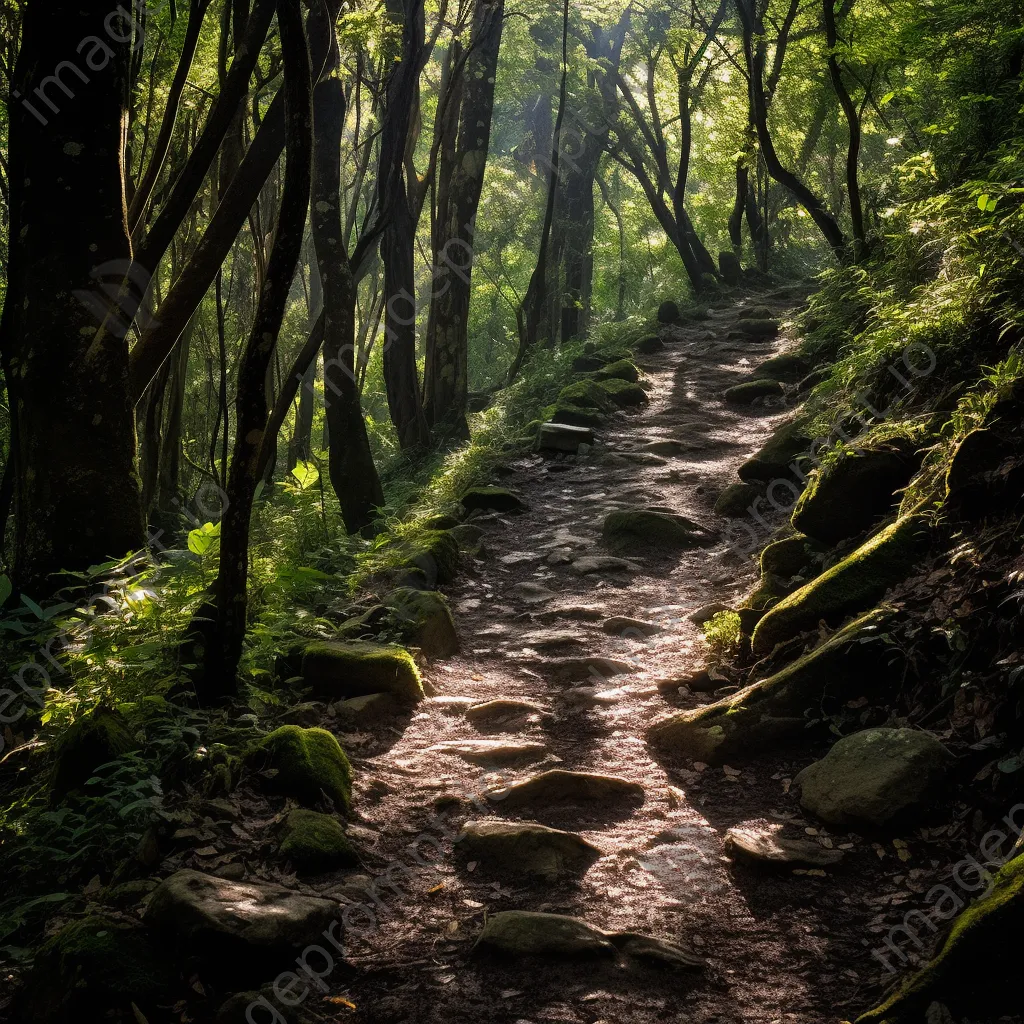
[[776, 948]]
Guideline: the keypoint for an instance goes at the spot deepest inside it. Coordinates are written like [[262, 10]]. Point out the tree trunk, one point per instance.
[[353, 474], [754, 51], [77, 492], [853, 121], [446, 385], [401, 379], [223, 649]]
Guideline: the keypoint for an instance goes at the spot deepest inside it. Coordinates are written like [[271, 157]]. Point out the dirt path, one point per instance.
[[782, 948]]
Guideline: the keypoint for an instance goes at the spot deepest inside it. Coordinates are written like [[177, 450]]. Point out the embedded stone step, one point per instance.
[[527, 848], [559, 786], [493, 751], [500, 712], [756, 846], [563, 437]]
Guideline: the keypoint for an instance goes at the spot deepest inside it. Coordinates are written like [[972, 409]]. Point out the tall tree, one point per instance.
[[77, 492], [446, 383]]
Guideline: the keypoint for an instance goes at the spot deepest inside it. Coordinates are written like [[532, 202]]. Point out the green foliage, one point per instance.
[[723, 633]]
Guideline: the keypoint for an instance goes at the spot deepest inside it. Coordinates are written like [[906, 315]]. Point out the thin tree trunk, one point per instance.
[[446, 384], [223, 651], [353, 474]]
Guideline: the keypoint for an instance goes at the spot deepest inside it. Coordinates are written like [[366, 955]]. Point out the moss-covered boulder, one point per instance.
[[95, 739], [594, 358], [645, 529], [668, 312], [852, 490], [752, 391], [423, 619], [859, 581], [572, 415], [769, 591], [304, 764], [623, 369], [586, 394], [788, 368], [339, 670], [759, 328], [875, 779], [736, 500], [624, 394], [788, 445], [976, 972], [491, 499], [315, 843], [755, 313], [92, 968], [436, 554], [772, 712], [650, 345], [787, 558]]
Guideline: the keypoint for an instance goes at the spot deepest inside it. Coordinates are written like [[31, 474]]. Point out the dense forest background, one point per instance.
[[283, 282]]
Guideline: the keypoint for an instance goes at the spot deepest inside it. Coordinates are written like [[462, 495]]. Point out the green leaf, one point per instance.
[[306, 475], [986, 203], [205, 539]]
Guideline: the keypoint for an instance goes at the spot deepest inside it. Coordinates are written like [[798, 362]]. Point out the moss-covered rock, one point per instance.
[[304, 764], [624, 394], [787, 558], [491, 499], [424, 620], [852, 490], [768, 592], [586, 394], [90, 968], [771, 712], [856, 583], [594, 358], [436, 554], [95, 739], [788, 367], [755, 313], [339, 670], [650, 345], [976, 972], [572, 415], [759, 328], [788, 445], [736, 500], [315, 843], [752, 391], [623, 369], [668, 312], [875, 779], [638, 529]]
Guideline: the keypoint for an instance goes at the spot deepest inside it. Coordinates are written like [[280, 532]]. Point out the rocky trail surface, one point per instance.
[[525, 784]]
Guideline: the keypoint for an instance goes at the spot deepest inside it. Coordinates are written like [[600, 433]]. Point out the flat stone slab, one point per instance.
[[571, 670], [573, 612], [756, 846], [197, 907], [551, 640], [527, 848], [623, 625], [655, 952], [493, 751], [498, 712], [588, 565], [533, 593], [563, 437], [525, 933], [559, 786]]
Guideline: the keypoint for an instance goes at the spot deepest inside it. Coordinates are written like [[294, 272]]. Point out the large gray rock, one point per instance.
[[213, 913], [527, 848], [874, 778]]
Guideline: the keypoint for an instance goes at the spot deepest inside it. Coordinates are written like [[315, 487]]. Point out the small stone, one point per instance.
[[524, 933], [667, 447], [493, 751], [597, 667], [551, 640], [491, 499], [559, 786], [622, 625], [707, 613], [757, 846], [527, 848], [533, 593], [590, 564], [754, 390], [575, 612], [496, 712], [655, 952], [367, 711]]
